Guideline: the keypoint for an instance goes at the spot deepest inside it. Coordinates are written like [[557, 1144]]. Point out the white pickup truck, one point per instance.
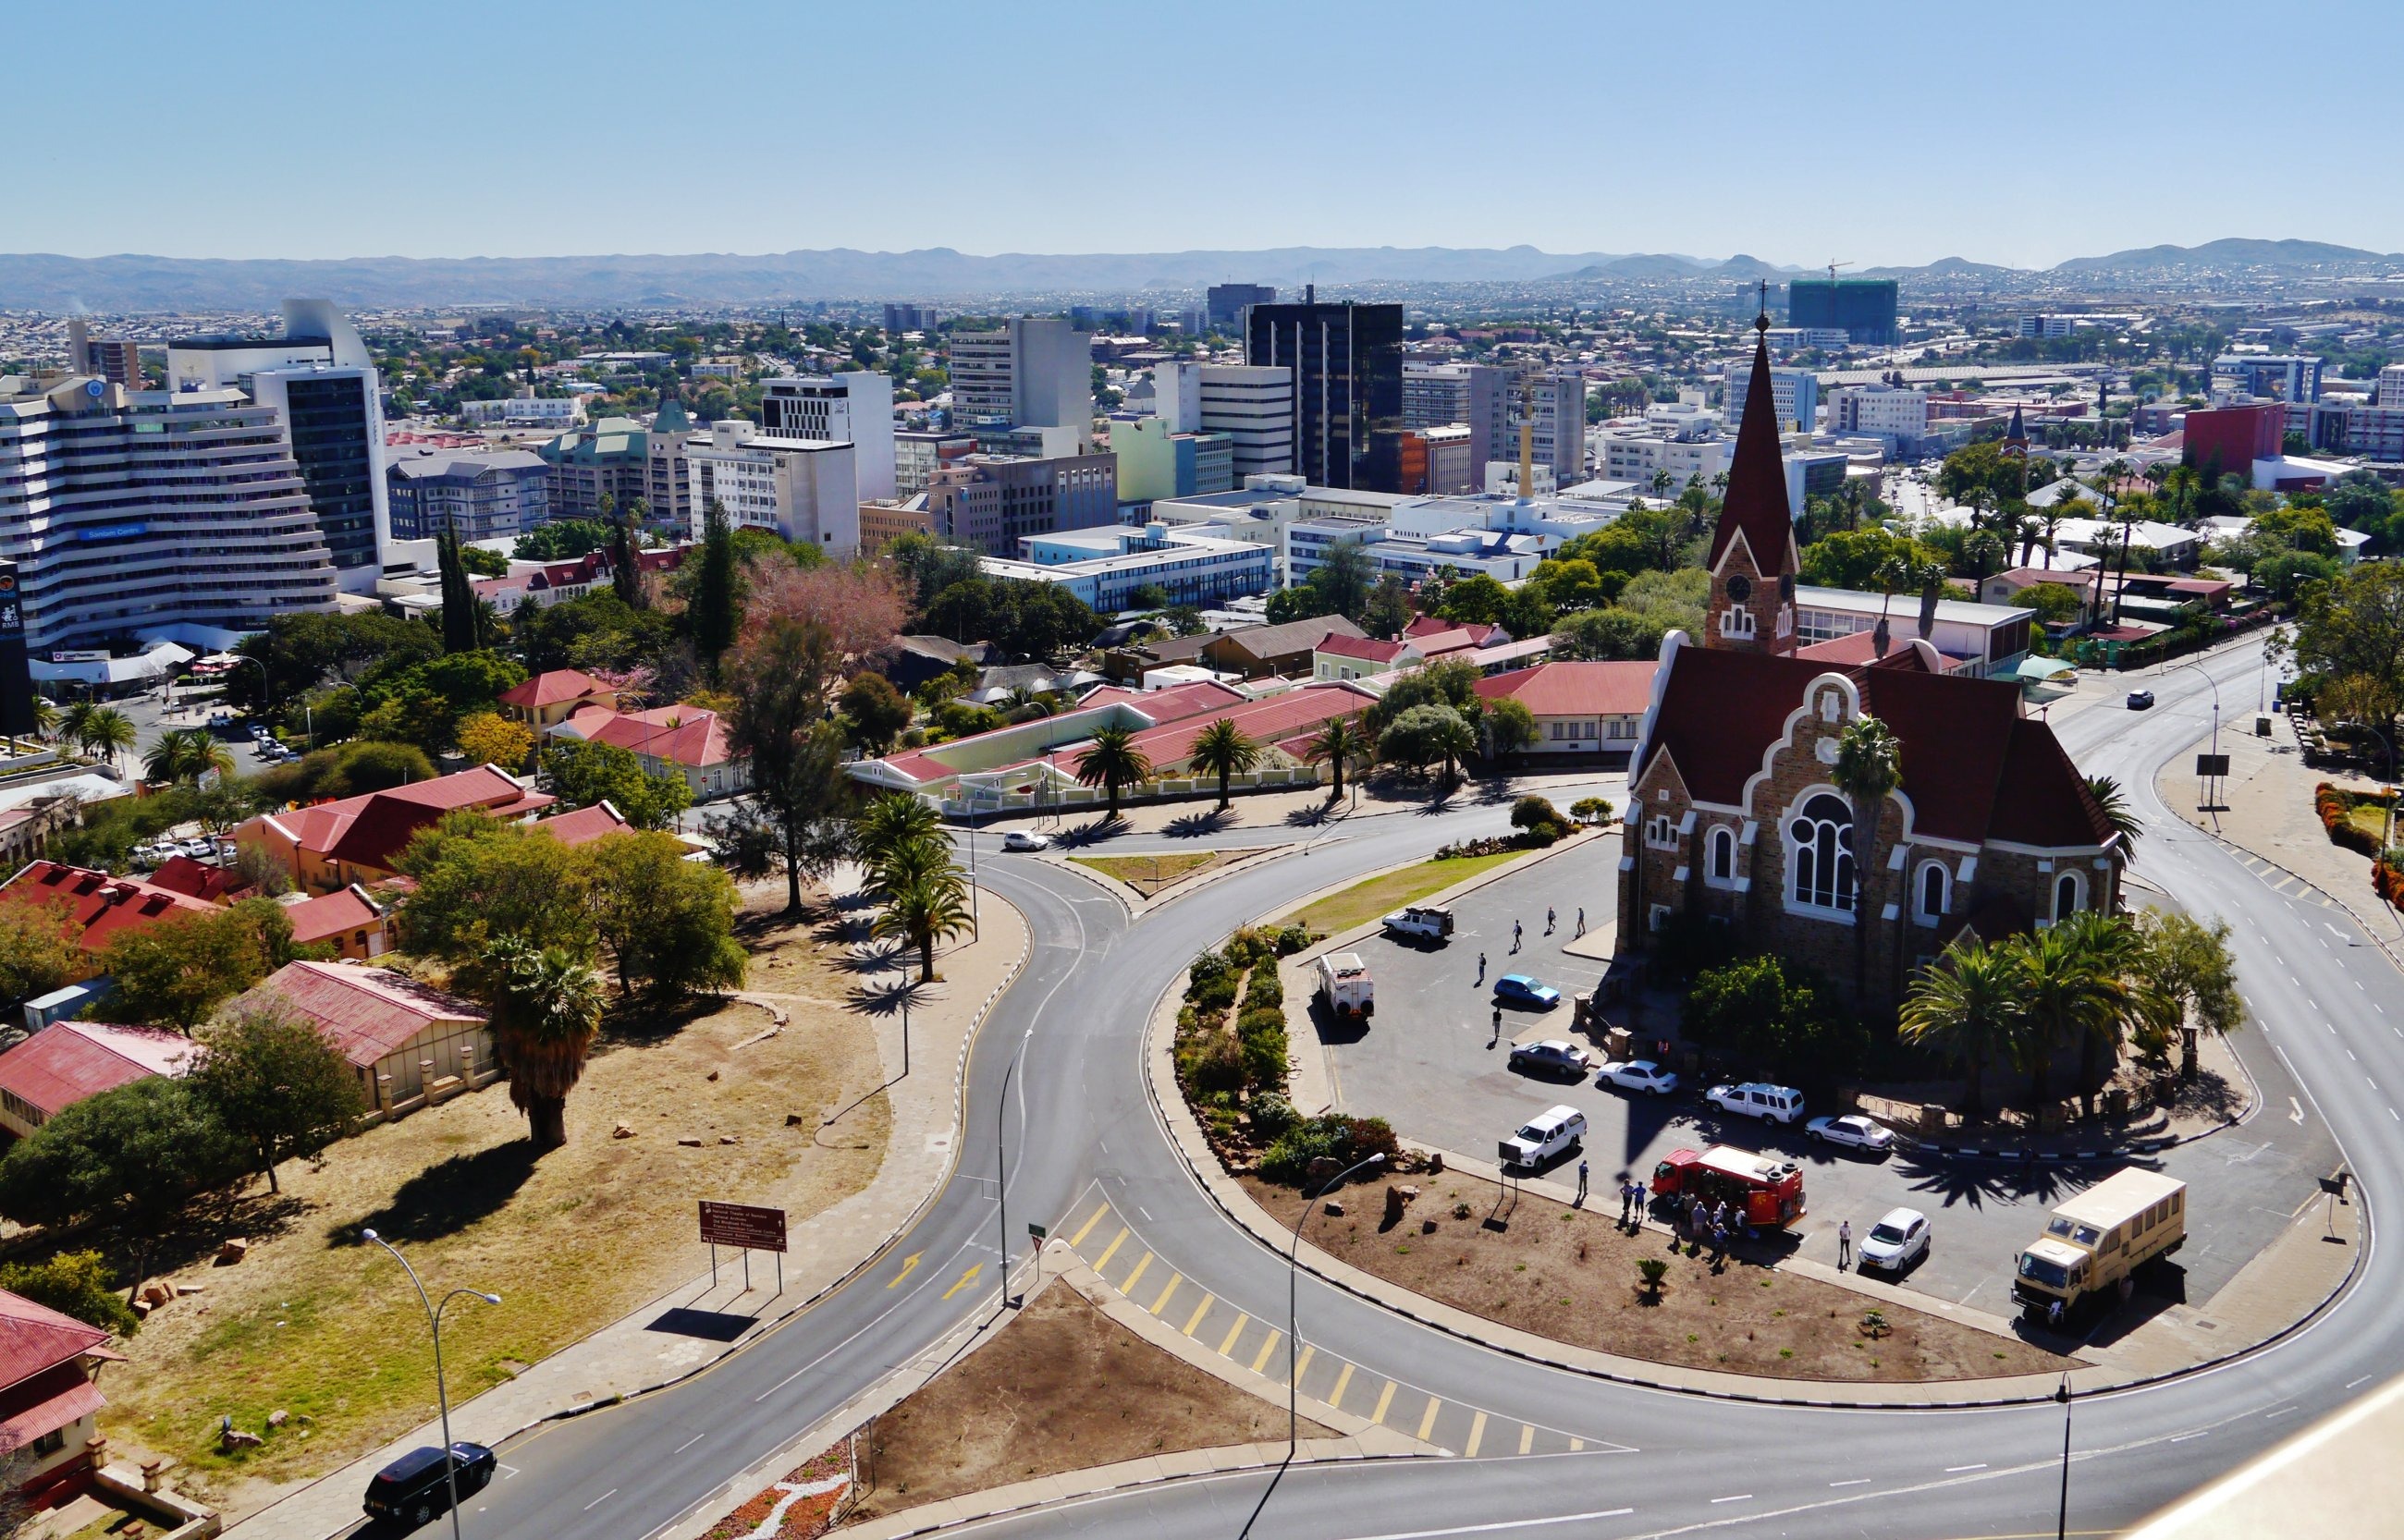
[[1429, 921], [1345, 984]]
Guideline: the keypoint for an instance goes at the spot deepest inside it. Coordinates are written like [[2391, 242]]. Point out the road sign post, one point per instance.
[[1035, 1234], [747, 1227]]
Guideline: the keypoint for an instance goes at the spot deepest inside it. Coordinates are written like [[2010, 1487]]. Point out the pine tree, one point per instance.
[[625, 576], [712, 607], [460, 617]]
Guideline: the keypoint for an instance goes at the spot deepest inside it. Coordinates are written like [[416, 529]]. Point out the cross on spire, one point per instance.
[[1761, 321]]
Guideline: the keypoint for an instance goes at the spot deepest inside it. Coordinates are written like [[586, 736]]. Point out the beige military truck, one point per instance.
[[2096, 1240]]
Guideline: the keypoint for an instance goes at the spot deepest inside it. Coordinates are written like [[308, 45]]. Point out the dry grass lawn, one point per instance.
[[1571, 1275], [1364, 901], [1152, 874], [320, 1325], [1061, 1388]]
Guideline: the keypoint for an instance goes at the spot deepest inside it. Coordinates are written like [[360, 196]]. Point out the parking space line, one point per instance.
[[1343, 1382], [1112, 1249], [1427, 1417], [1086, 1229], [1142, 1262], [1200, 1311], [1476, 1434], [1385, 1399], [1162, 1303], [1576, 1443], [1302, 1365], [1268, 1345], [1526, 1436], [1227, 1344]]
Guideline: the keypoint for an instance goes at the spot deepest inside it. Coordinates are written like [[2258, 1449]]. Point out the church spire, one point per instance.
[[1753, 577]]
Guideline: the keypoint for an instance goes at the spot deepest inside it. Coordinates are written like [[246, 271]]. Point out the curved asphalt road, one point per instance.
[[1659, 1462]]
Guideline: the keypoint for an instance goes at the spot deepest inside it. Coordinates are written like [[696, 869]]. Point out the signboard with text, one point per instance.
[[743, 1224], [2210, 764]]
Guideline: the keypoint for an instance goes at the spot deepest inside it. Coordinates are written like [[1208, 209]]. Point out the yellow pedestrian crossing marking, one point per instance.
[[1427, 1418], [1385, 1399], [1267, 1346], [1088, 1227], [1162, 1303], [1336, 1397], [1576, 1443], [1526, 1436], [1127, 1288], [1112, 1249], [966, 1279], [1227, 1345], [1200, 1311], [1302, 1367], [1476, 1434]]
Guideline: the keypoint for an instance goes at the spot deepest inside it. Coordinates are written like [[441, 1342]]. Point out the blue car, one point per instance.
[[1517, 989]]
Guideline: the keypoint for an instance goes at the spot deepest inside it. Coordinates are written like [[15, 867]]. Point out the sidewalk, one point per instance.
[[630, 1356], [1289, 808]]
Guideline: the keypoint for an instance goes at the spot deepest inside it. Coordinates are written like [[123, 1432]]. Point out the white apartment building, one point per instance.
[[525, 412], [1253, 405], [2391, 385], [803, 489], [1898, 416], [180, 514], [1796, 391], [855, 407], [1638, 457], [1036, 371]]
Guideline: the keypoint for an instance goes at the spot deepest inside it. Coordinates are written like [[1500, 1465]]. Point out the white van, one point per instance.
[[1545, 1135], [1754, 1099]]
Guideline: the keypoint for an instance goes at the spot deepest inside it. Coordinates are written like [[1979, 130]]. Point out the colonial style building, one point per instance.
[[1734, 811]]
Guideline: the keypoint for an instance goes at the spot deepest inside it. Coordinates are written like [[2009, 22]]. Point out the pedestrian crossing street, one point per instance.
[[1109, 1244]]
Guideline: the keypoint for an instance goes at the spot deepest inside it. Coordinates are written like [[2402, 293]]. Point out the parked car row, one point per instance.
[[1764, 1102], [157, 851]]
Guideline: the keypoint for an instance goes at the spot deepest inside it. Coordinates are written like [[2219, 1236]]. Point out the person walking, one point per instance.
[[1625, 1192], [1548, 919], [1581, 920], [1514, 934], [1844, 1243], [1481, 967], [1580, 1197]]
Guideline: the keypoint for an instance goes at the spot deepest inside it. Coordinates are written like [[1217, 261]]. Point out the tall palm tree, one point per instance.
[[108, 733], [46, 719], [74, 724], [889, 825], [2116, 811], [546, 1010], [1343, 742], [2114, 950], [1869, 768], [2066, 995], [1111, 761], [184, 756], [1223, 749], [1968, 1004], [926, 901], [1454, 738]]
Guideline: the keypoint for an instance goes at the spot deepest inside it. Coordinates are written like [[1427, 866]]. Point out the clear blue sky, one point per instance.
[[1864, 131]]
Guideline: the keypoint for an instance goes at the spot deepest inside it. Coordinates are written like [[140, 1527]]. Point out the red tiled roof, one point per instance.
[[67, 1061], [374, 828], [1366, 647], [51, 1400], [2030, 577], [585, 824], [99, 906], [368, 1013], [682, 735], [1272, 720], [1185, 700], [331, 914], [1576, 690], [194, 878], [1755, 503], [551, 688], [1860, 650], [1431, 625], [34, 1338]]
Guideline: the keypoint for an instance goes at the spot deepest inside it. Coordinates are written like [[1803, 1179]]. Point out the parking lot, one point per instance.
[[1432, 1064]]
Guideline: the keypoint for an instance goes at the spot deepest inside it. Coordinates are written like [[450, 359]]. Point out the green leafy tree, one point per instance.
[[2188, 967], [668, 922], [72, 1283], [1223, 749], [1510, 727], [176, 972], [1112, 762], [625, 569], [2055, 603], [481, 563], [891, 825], [713, 606], [874, 712], [1388, 610], [1448, 682], [563, 539], [586, 773], [546, 1011], [1607, 635], [1868, 768], [2352, 626], [462, 630], [2068, 996], [1342, 743], [1967, 1003], [272, 1078], [2117, 813], [480, 880], [187, 754], [136, 1152], [1425, 735], [106, 733], [800, 792], [38, 951]]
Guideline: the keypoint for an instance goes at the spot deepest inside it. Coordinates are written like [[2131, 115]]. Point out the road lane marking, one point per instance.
[[1427, 1417], [909, 1266], [1200, 1311], [689, 1443], [1739, 1497], [1500, 1525], [1476, 1434], [1856, 1481], [1956, 1470], [2364, 1381], [1112, 1249], [508, 1472], [1088, 1227], [1302, 1365], [1268, 1345], [1526, 1436], [966, 1279], [1343, 1380], [1227, 1343], [1385, 1399], [2201, 1432], [1142, 1262], [603, 1498], [1160, 1304], [2283, 1411]]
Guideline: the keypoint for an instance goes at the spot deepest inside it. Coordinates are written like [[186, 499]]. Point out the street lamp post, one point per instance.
[[2216, 699], [1293, 1303], [2062, 1515], [1001, 1159], [442, 1395]]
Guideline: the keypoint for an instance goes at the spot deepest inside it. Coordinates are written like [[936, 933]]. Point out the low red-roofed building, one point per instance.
[[197, 879], [554, 696], [1582, 707], [586, 825], [67, 1061], [408, 1041], [360, 838], [347, 920], [48, 1404], [674, 740], [94, 906]]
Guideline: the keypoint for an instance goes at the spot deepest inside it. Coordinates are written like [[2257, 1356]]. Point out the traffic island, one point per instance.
[[1552, 1270]]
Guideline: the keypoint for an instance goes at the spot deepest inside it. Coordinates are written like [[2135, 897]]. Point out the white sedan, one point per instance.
[[1899, 1238], [1853, 1132], [1026, 840], [1641, 1075]]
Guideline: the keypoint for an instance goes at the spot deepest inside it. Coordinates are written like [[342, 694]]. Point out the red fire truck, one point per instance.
[[1769, 1189]]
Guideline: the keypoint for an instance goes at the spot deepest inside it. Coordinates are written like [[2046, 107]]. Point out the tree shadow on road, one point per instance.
[[888, 999], [1972, 1184], [449, 1195], [1193, 825]]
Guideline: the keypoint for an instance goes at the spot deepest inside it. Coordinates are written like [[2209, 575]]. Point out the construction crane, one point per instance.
[[1832, 273]]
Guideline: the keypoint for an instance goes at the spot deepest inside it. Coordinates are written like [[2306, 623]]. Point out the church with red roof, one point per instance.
[[1735, 816]]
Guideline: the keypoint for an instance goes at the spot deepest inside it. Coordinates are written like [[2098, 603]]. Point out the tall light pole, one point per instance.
[[1001, 1159], [442, 1395], [1293, 1303], [2061, 1516]]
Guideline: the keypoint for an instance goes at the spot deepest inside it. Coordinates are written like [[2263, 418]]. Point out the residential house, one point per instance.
[[920, 658], [95, 906], [410, 1044], [67, 1062], [672, 740], [48, 1405], [197, 879], [554, 696], [1580, 707], [585, 824], [347, 920], [360, 838], [1280, 651]]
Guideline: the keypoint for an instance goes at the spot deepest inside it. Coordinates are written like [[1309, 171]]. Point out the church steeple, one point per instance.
[[1753, 558]]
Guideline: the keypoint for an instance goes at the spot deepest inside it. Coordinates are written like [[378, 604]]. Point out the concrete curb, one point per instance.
[[1185, 1137], [1137, 906]]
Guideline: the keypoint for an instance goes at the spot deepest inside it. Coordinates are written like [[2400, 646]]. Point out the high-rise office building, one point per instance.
[[475, 496], [151, 513], [321, 378], [1222, 304], [1797, 393], [1865, 308], [854, 408], [902, 318], [992, 502], [117, 362], [1475, 394], [1347, 398], [1552, 403], [803, 489], [666, 474], [1035, 372], [1252, 406]]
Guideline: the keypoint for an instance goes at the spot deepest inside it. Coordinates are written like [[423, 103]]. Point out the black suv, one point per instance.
[[413, 1488]]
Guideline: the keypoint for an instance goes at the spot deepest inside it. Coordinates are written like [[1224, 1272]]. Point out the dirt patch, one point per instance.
[[328, 1331], [1149, 875], [1571, 1275], [1061, 1388], [1364, 901]]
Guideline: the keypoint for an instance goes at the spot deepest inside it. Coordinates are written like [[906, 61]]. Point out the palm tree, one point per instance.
[[546, 1010], [2066, 996], [2116, 811], [46, 719], [2114, 949], [1869, 768], [107, 733], [891, 825], [1111, 761], [1967, 1003], [1454, 738], [1223, 749], [186, 755], [925, 902], [74, 724], [1342, 742]]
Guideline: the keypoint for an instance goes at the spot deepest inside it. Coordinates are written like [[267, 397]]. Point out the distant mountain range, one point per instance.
[[129, 284]]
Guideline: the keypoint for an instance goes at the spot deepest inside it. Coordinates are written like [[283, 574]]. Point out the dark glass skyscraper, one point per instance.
[[1347, 387], [1865, 307], [332, 426]]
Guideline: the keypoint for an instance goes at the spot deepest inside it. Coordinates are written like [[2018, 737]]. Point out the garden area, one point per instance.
[[1151, 875], [2365, 822]]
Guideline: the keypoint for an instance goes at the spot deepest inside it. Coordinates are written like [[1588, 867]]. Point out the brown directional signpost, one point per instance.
[[747, 1227]]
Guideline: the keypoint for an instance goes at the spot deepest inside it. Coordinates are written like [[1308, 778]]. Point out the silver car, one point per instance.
[[1853, 1132]]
